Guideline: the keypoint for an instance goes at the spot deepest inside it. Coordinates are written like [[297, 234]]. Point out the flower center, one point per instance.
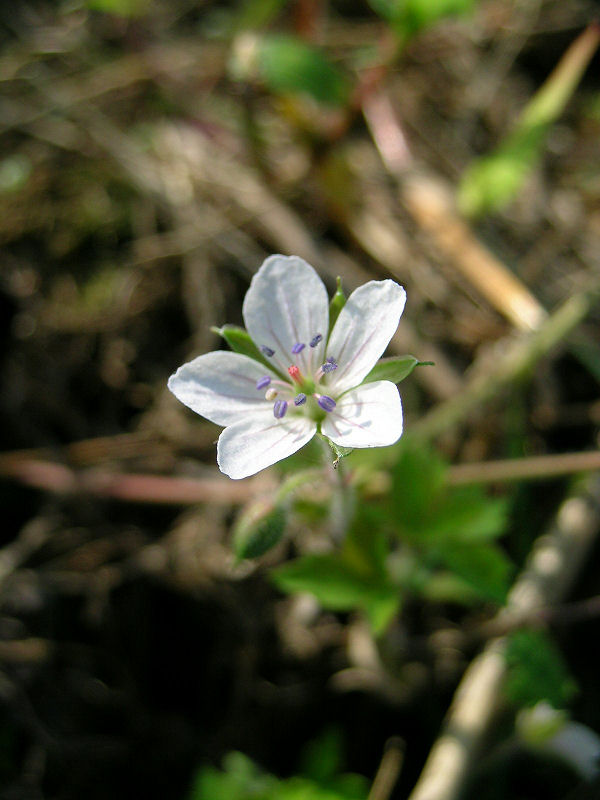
[[303, 393]]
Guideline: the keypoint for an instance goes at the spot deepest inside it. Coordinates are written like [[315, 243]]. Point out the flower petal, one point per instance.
[[362, 331], [368, 416], [286, 304], [221, 386], [261, 440]]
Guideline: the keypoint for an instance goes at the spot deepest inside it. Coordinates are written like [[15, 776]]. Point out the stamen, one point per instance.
[[329, 365], [271, 394], [300, 399], [280, 408], [266, 351], [315, 340], [295, 374], [298, 348], [327, 403], [262, 383]]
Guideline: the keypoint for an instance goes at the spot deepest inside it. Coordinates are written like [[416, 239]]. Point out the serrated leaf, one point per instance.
[[466, 515], [418, 477], [485, 568], [339, 586], [394, 369], [536, 670], [289, 65]]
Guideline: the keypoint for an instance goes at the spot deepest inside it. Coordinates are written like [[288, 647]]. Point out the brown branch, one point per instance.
[[533, 468], [136, 488]]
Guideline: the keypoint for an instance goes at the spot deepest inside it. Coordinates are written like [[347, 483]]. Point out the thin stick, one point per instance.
[[388, 771], [533, 468], [137, 488], [553, 563]]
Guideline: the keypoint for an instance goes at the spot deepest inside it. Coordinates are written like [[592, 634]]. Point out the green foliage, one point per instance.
[[408, 17], [451, 527], [394, 369], [537, 671], [428, 539], [493, 181], [242, 779], [354, 578], [338, 301], [122, 8], [484, 568], [289, 65]]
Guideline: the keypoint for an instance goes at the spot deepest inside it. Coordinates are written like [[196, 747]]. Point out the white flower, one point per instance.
[[314, 382]]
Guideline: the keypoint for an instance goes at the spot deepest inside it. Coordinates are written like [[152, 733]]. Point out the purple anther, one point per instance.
[[329, 365], [300, 399], [298, 348], [326, 403], [280, 408], [262, 383], [266, 351], [315, 340]]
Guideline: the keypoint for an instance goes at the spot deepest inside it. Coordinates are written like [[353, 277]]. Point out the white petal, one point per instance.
[[362, 331], [287, 303], [259, 441], [368, 416], [221, 386]]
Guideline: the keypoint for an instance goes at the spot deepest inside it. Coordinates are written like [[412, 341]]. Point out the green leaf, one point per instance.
[[338, 301], [536, 671], [408, 17], [339, 586], [466, 515], [259, 529], [484, 568], [240, 342], [418, 478], [121, 8], [289, 65], [492, 182], [322, 758], [394, 369], [242, 779]]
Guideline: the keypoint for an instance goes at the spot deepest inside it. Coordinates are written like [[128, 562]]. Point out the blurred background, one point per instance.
[[152, 154]]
